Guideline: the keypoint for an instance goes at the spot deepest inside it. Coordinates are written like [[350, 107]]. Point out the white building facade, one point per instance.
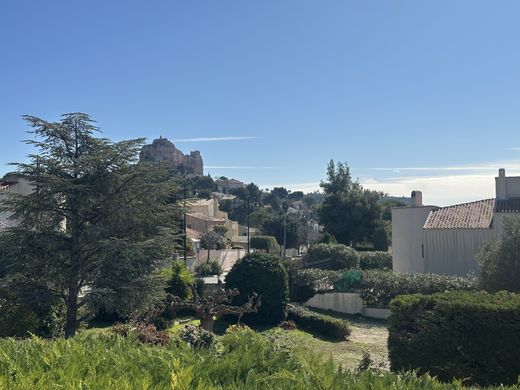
[[446, 240]]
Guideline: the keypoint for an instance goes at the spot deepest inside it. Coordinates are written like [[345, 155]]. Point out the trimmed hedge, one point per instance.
[[321, 324], [375, 260], [378, 287], [333, 256], [472, 336], [265, 275], [307, 282]]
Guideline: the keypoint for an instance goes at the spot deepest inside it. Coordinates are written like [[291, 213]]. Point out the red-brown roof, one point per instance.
[[473, 215]]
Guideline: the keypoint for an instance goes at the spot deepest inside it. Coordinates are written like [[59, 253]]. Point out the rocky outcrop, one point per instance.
[[163, 150]]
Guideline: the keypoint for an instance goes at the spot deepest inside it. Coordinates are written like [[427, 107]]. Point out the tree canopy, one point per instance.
[[350, 213], [97, 224]]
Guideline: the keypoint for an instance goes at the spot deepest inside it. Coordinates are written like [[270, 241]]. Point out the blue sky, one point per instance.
[[411, 94]]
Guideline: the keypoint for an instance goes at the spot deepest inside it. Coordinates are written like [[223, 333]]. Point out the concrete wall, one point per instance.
[[348, 303], [407, 238]]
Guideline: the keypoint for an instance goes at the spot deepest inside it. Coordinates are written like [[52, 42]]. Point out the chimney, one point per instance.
[[500, 182], [416, 199]]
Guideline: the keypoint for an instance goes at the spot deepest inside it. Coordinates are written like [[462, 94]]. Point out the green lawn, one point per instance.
[[367, 336]]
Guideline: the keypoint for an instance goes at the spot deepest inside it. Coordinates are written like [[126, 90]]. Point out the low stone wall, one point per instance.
[[348, 303]]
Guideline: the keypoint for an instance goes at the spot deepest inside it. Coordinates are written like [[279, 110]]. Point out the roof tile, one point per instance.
[[473, 215]]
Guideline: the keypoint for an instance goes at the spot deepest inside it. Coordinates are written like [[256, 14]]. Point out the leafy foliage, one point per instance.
[[95, 218], [467, 335], [265, 275], [179, 280], [334, 256], [197, 337], [375, 260], [308, 282], [349, 212], [265, 243], [295, 228], [378, 287], [320, 324], [246, 360], [500, 260], [209, 268]]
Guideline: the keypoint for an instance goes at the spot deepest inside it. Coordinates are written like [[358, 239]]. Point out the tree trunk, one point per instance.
[[206, 322], [72, 312]]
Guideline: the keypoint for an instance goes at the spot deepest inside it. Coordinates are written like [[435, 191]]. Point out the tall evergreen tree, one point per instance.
[[350, 213], [97, 224]]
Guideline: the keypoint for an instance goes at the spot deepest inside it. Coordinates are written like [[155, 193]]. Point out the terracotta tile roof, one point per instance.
[[507, 205], [473, 215]]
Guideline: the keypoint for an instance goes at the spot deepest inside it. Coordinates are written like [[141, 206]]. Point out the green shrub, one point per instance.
[[352, 281], [265, 275], [265, 243], [246, 360], [499, 261], [16, 318], [308, 282], [317, 323], [197, 337], [375, 260], [333, 256], [209, 268], [380, 238], [473, 336], [178, 280], [378, 287]]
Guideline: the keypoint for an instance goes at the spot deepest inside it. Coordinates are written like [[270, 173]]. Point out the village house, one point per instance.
[[204, 214], [446, 240]]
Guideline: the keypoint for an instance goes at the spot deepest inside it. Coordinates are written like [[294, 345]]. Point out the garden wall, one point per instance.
[[349, 303]]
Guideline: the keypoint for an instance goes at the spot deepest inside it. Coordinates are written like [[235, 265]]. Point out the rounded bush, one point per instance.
[[265, 275], [265, 243], [333, 256]]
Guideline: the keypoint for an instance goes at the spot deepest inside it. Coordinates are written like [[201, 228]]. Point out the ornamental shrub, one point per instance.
[[265, 243], [178, 280], [265, 275], [332, 256], [379, 287], [209, 268], [500, 260], [375, 260], [308, 282], [197, 337], [472, 336], [317, 323]]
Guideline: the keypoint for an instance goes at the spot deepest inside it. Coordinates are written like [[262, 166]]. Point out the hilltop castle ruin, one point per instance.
[[163, 150]]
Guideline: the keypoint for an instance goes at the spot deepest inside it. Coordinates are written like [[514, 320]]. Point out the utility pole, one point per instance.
[[185, 227], [248, 212], [284, 233]]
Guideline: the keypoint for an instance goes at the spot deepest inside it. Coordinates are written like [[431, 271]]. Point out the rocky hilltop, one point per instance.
[[163, 150]]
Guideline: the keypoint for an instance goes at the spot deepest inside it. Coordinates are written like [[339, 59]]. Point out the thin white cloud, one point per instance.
[[482, 167], [213, 139]]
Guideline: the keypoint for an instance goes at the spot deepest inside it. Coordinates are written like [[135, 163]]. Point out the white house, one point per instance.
[[11, 184], [445, 240]]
